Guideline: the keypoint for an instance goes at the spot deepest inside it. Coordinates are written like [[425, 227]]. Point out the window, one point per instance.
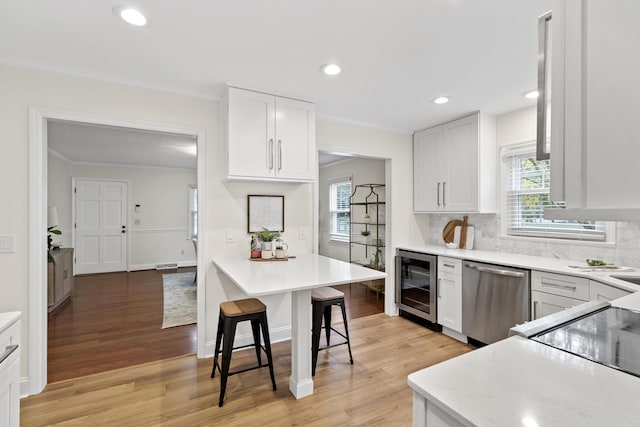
[[193, 212], [526, 181], [340, 209]]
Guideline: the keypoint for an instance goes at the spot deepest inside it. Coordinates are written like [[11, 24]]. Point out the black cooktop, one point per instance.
[[610, 337]]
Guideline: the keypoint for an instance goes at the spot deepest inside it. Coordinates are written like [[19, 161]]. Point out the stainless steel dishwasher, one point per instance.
[[494, 299]]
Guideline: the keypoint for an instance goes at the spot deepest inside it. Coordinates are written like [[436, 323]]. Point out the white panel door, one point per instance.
[[100, 226]]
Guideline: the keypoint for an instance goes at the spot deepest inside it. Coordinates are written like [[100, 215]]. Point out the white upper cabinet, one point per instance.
[[269, 137], [454, 166], [595, 113]]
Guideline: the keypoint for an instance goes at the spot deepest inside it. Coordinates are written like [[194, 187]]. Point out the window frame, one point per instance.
[[192, 215], [335, 236], [566, 237]]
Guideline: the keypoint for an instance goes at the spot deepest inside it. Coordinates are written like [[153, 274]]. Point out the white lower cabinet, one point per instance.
[[450, 294], [552, 292], [9, 369], [601, 292], [543, 304]]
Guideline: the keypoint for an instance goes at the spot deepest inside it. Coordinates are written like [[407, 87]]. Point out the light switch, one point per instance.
[[229, 236], [7, 244]]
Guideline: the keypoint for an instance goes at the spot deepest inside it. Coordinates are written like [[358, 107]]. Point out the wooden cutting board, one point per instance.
[[449, 230]]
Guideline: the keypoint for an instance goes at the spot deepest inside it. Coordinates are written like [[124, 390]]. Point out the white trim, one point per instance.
[[159, 230], [37, 217]]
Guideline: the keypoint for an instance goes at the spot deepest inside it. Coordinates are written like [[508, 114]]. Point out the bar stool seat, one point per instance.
[[232, 313], [322, 300]]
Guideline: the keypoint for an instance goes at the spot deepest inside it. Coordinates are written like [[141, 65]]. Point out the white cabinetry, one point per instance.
[[601, 292], [454, 166], [269, 137], [551, 292], [10, 369], [594, 114], [450, 294]]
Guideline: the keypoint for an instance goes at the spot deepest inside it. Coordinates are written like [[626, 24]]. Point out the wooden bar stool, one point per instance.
[[232, 313], [322, 300]]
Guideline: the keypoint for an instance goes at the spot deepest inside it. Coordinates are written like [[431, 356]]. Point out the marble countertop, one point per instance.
[[7, 319], [553, 265], [305, 271], [519, 382]]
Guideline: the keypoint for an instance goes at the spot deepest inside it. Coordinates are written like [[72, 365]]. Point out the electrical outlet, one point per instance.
[[136, 221], [229, 236], [301, 234], [182, 252], [7, 244]]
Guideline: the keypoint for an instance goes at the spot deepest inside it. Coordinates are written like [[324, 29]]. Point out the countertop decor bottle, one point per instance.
[[256, 249]]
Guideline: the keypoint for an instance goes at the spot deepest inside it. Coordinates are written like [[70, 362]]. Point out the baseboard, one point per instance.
[[276, 335], [454, 334], [24, 387], [138, 267]]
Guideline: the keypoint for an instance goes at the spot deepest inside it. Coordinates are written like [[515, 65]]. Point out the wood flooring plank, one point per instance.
[[179, 392]]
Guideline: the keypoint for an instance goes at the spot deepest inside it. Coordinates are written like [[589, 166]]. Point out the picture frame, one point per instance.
[[265, 211]]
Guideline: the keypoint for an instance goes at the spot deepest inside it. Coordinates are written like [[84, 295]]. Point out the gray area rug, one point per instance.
[[179, 299]]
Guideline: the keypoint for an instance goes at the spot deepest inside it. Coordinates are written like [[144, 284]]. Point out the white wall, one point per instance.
[[162, 193], [361, 171], [225, 200], [520, 126]]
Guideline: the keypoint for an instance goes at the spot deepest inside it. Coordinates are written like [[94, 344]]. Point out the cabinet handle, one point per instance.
[[449, 265], [438, 290], [535, 310], [443, 193], [279, 154], [555, 285], [438, 196], [270, 154], [7, 352], [543, 41]]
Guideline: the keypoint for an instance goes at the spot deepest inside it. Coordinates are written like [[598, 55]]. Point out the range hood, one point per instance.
[[576, 214]]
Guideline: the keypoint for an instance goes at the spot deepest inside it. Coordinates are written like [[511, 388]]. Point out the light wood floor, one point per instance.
[[178, 392], [114, 321]]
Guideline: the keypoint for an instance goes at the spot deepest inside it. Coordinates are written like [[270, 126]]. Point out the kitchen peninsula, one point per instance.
[[296, 275], [521, 382]]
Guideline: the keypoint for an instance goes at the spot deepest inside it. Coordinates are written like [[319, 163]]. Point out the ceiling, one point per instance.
[[396, 56], [80, 142]]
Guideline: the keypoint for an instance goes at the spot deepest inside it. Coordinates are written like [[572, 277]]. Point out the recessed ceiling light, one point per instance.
[[440, 100], [532, 94], [130, 15], [331, 69]]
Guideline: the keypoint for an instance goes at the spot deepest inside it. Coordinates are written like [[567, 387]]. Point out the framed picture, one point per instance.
[[265, 212]]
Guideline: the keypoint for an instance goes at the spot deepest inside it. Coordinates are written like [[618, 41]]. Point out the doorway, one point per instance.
[[38, 197], [343, 236]]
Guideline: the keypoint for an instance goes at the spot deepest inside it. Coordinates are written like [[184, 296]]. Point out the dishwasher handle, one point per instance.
[[493, 270], [8, 350]]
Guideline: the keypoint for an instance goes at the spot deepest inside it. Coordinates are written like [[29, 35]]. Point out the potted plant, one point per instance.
[[50, 231], [267, 238]]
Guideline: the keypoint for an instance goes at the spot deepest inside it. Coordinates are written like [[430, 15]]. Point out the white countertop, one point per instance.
[[553, 265], [305, 271], [519, 382], [7, 319]]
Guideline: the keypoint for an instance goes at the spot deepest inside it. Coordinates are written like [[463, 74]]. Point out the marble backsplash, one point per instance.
[[625, 251]]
